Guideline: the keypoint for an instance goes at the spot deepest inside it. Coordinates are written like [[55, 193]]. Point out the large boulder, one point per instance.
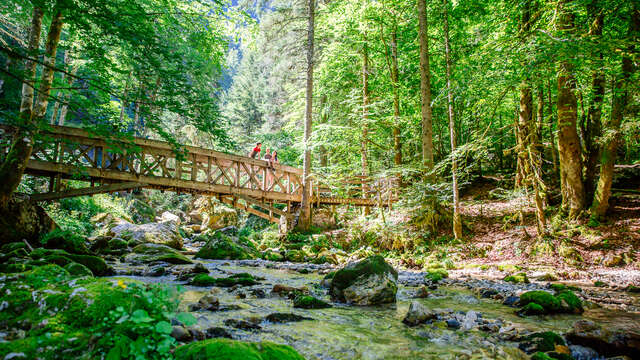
[[232, 349], [418, 314], [150, 253], [608, 341], [156, 233], [211, 215], [366, 282], [222, 247], [23, 219]]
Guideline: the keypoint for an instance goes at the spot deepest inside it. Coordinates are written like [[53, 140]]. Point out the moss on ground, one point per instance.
[[235, 350], [436, 275], [519, 278], [150, 253], [222, 247], [244, 279], [547, 301]]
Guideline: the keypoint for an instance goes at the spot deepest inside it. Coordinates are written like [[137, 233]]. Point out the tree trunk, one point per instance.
[[569, 149], [305, 216], [67, 98], [612, 136], [552, 137], [365, 119], [397, 143], [56, 106], [425, 88], [322, 151], [28, 87], [15, 162], [593, 126], [457, 222]]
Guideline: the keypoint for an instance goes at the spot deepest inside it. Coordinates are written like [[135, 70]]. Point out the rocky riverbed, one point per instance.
[[461, 318]]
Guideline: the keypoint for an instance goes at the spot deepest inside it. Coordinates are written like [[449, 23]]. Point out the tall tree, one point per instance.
[[305, 218], [457, 221], [612, 127], [425, 88], [569, 150], [365, 117]]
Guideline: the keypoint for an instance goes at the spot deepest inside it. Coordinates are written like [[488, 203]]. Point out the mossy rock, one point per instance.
[[367, 282], [436, 275], [558, 287], [632, 289], [150, 253], [96, 264], [14, 254], [117, 244], [599, 283], [294, 255], [547, 301], [14, 268], [76, 269], [272, 256], [7, 248], [541, 356], [244, 279], [235, 350], [531, 309], [65, 240], [519, 278], [544, 341], [320, 260], [222, 247], [309, 302], [569, 302]]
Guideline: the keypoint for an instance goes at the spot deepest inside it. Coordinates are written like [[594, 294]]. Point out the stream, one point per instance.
[[352, 332]]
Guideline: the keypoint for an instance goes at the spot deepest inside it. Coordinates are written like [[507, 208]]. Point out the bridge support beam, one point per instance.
[[85, 191]]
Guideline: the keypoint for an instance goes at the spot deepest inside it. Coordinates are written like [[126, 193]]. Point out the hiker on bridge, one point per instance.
[[268, 158], [256, 150]]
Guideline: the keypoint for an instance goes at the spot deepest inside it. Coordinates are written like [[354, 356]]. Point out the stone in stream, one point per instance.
[[220, 246], [209, 302], [199, 269], [285, 317], [607, 341], [418, 314], [366, 282], [217, 332], [150, 253], [511, 300], [240, 279], [541, 341], [288, 291], [469, 321], [180, 333], [309, 302], [156, 233], [242, 324]]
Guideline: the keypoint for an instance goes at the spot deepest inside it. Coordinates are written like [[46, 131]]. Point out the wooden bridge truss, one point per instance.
[[123, 164]]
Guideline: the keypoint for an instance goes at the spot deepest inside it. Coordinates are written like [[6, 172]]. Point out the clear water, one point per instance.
[[350, 332]]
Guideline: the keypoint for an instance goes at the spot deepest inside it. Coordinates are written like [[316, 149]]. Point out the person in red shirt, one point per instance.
[[256, 150]]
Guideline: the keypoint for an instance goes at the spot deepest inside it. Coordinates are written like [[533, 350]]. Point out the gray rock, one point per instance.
[[209, 302], [180, 333], [418, 314], [469, 321], [217, 332], [453, 323], [156, 233], [242, 324], [366, 282]]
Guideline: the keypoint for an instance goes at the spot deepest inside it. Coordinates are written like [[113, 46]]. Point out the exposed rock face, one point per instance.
[[222, 247], [366, 282], [169, 217], [418, 314], [607, 341], [156, 233], [23, 220], [149, 253]]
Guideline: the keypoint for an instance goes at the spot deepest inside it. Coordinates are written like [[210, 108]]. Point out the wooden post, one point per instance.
[[209, 169], [194, 168]]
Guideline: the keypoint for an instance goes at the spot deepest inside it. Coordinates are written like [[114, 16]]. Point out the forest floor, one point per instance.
[[607, 252]]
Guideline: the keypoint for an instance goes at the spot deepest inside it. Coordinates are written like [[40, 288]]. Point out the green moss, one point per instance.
[[562, 287], [7, 248], [570, 302], [14, 268], [117, 244], [330, 275], [343, 278], [244, 279], [436, 275], [65, 240], [520, 278], [294, 255], [540, 356], [15, 254], [222, 247], [149, 253], [320, 260], [97, 265], [76, 269], [272, 256], [545, 341], [532, 309], [547, 301], [309, 302], [632, 289], [235, 350], [599, 283]]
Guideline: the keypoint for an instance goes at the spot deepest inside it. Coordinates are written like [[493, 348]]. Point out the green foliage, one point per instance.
[[74, 214], [309, 302], [65, 240], [436, 275], [520, 278]]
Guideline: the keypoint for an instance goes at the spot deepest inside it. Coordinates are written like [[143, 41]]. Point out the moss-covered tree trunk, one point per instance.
[[569, 149], [425, 88], [611, 134], [397, 141], [365, 119]]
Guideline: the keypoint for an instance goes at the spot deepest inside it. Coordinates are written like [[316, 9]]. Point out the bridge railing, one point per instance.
[[72, 152], [357, 189]]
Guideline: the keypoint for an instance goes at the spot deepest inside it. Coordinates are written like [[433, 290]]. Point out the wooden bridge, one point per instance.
[[117, 164]]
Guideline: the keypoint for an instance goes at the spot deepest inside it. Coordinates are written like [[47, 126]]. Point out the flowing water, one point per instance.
[[352, 332]]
